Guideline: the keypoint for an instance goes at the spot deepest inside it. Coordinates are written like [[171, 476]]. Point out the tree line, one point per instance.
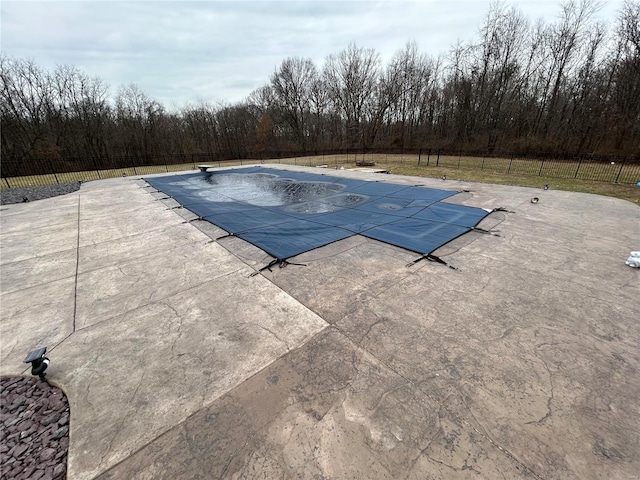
[[566, 86]]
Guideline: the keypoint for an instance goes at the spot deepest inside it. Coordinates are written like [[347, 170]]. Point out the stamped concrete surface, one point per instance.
[[522, 363], [146, 321]]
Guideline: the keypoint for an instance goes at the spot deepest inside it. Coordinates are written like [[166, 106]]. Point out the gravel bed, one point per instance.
[[18, 195], [34, 430]]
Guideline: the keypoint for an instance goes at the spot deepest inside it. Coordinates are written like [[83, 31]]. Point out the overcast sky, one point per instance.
[[180, 52]]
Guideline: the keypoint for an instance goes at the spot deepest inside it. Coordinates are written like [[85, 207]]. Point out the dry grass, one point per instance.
[[559, 175], [524, 173]]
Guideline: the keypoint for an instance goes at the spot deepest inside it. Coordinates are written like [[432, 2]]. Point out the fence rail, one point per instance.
[[618, 169]]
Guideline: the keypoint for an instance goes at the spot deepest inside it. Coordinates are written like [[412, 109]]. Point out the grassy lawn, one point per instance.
[[559, 175], [619, 190], [523, 173]]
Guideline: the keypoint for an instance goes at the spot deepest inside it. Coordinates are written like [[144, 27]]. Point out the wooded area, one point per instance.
[[563, 87]]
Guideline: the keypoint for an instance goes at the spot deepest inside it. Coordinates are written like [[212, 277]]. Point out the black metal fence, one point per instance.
[[17, 174], [604, 168]]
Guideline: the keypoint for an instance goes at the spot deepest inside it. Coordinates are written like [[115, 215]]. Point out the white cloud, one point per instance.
[[179, 52]]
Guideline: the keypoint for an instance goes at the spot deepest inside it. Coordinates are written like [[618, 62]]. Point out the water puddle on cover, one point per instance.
[[264, 190]]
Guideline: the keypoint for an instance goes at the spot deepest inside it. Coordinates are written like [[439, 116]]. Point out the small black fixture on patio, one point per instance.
[[39, 362]]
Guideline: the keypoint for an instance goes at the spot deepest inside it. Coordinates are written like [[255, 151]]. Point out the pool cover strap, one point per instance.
[[488, 232], [431, 258], [274, 262]]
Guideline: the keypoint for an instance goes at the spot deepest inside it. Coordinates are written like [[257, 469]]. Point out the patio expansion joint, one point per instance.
[[75, 283], [162, 228], [75, 291], [36, 257], [35, 230], [158, 301], [38, 285], [142, 256]]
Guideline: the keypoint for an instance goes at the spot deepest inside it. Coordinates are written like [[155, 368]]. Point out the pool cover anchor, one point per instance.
[[488, 232], [431, 258], [224, 236], [501, 209], [282, 263]]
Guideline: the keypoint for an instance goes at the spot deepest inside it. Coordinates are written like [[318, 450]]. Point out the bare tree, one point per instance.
[[563, 45], [292, 86], [137, 117], [24, 98], [237, 126], [569, 85], [200, 129], [406, 89], [351, 79], [625, 108], [498, 71], [80, 113]]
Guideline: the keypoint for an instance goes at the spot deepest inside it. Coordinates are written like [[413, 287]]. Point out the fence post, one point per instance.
[[482, 166], [95, 165], [53, 170], [541, 165], [438, 159], [509, 168], [428, 156], [619, 171], [419, 155], [578, 167]]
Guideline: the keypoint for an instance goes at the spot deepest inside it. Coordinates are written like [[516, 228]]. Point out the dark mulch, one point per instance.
[[34, 430], [18, 195]]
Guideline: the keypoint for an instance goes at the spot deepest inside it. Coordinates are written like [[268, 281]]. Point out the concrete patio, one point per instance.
[[177, 363]]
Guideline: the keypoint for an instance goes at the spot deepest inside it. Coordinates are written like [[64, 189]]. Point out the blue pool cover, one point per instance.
[[286, 213]]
